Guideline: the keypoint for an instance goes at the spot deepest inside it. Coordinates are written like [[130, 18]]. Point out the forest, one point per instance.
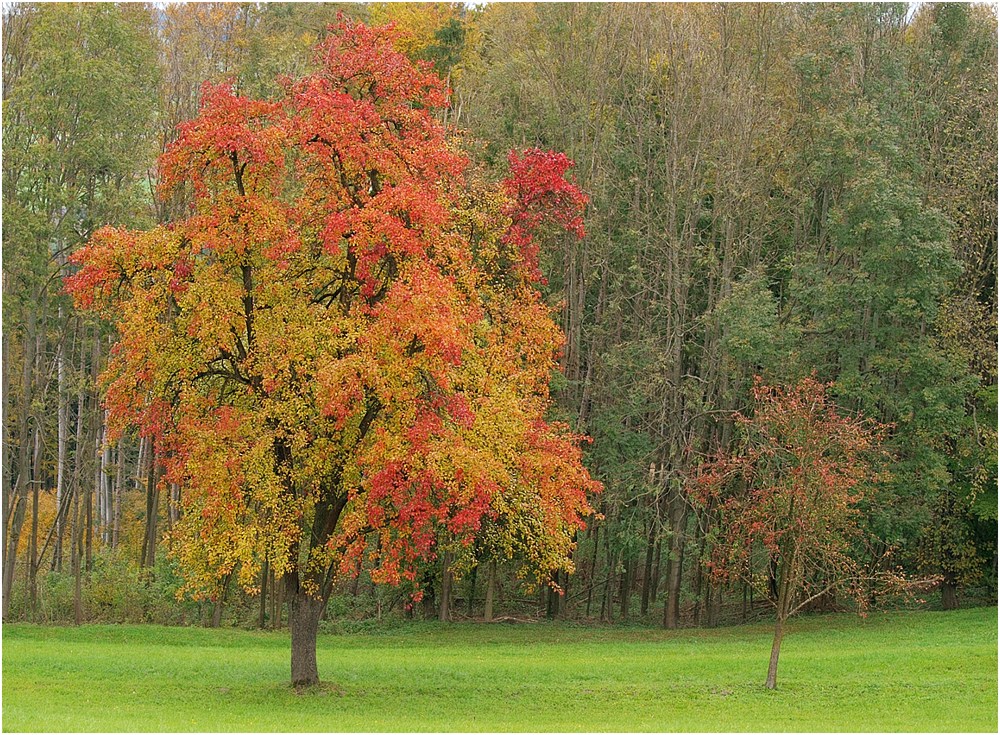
[[764, 208]]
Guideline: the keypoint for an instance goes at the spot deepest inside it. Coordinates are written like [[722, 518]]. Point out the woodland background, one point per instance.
[[776, 190]]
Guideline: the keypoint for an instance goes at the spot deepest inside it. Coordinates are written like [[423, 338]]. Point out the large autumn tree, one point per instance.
[[341, 351]]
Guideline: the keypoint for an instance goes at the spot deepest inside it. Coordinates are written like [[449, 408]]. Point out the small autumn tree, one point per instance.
[[789, 495], [341, 353]]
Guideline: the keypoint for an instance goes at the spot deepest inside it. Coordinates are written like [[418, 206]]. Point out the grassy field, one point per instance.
[[926, 671]]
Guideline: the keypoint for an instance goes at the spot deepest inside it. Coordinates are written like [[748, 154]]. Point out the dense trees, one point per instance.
[[774, 190]]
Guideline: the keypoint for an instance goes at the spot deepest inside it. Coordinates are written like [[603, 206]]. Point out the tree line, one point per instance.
[[777, 191]]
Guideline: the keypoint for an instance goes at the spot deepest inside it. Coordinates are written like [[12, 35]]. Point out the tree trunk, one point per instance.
[[675, 567], [262, 618], [655, 583], [220, 602], [472, 590], [152, 506], [116, 495], [444, 612], [772, 668], [62, 453], [626, 589], [76, 562], [593, 566], [949, 593], [105, 487], [647, 571], [304, 613], [16, 506], [491, 584], [33, 560]]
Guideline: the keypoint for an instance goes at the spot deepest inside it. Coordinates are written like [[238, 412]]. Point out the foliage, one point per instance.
[[792, 489], [314, 350]]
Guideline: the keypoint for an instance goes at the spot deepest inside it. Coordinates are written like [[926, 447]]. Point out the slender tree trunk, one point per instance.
[[33, 560], [472, 590], [626, 590], [593, 567], [655, 584], [15, 509], [62, 453], [787, 582], [647, 572], [5, 468], [262, 617], [356, 582], [152, 503], [772, 668], [76, 536], [76, 559], [116, 495], [174, 506], [491, 584], [675, 568], [562, 599], [304, 613], [88, 500], [104, 487]]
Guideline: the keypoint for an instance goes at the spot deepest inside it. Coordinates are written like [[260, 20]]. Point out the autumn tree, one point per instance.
[[788, 499], [337, 357]]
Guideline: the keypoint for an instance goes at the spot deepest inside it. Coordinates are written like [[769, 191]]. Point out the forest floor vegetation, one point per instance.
[[906, 671]]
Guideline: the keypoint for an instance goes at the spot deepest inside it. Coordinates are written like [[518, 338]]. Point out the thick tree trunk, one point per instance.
[[444, 612], [949, 593], [772, 668], [304, 613]]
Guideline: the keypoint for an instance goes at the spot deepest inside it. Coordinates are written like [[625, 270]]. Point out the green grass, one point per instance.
[[926, 671]]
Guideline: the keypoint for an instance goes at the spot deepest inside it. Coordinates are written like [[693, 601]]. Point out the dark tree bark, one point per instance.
[[304, 613], [949, 593], [593, 566], [262, 617], [626, 589], [491, 584], [444, 611], [152, 505], [16, 506], [33, 560], [472, 590], [675, 565]]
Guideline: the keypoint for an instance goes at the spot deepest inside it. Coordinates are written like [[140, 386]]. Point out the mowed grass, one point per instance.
[[924, 671]]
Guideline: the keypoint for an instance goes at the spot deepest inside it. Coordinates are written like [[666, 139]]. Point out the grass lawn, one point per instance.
[[925, 671]]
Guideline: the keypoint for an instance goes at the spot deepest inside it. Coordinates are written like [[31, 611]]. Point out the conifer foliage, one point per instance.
[[325, 352]]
